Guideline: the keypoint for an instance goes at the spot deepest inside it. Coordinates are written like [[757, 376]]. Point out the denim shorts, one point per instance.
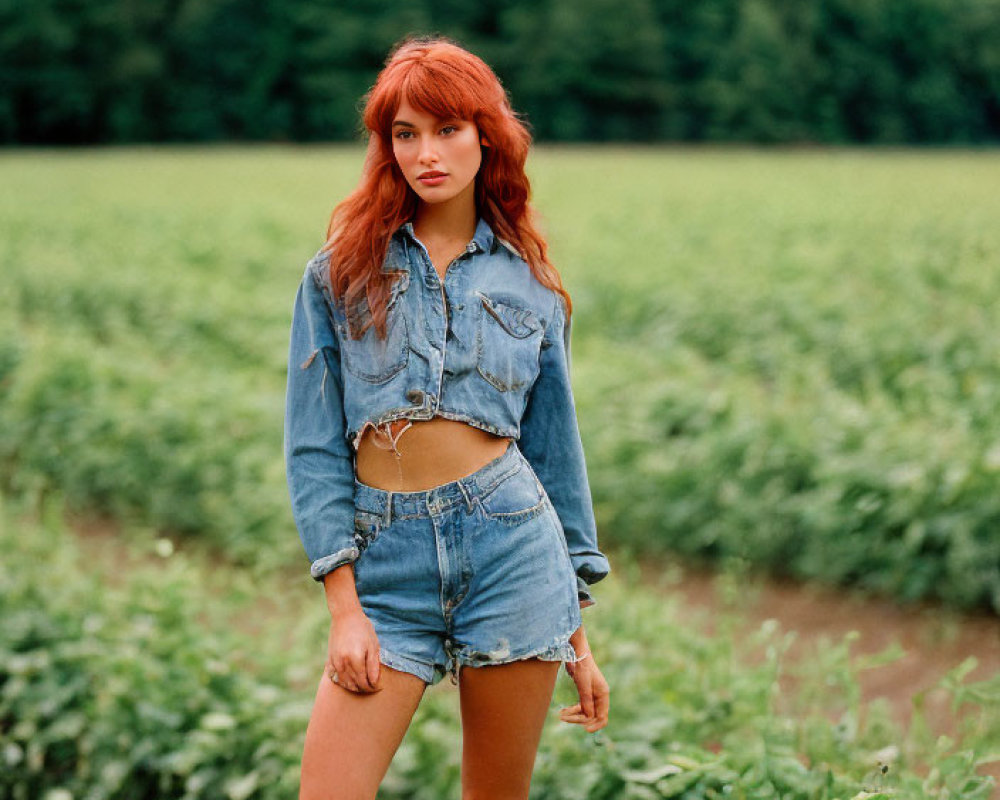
[[471, 572]]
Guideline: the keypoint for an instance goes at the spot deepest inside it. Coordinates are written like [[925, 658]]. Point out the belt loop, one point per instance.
[[387, 514], [465, 494]]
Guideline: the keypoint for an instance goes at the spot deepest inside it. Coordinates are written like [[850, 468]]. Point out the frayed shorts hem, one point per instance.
[[562, 651], [422, 670], [432, 674]]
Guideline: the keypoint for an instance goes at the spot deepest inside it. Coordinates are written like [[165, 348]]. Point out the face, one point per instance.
[[439, 158]]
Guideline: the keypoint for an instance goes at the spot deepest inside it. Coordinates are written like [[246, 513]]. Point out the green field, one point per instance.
[[148, 672], [784, 357], [785, 360]]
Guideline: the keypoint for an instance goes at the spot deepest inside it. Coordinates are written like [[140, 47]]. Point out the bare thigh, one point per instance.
[[503, 712], [352, 737]]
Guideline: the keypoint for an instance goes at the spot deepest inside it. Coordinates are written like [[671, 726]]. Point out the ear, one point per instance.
[[483, 141]]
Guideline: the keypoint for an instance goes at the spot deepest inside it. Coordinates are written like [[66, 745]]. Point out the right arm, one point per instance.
[[318, 461], [320, 470], [341, 593]]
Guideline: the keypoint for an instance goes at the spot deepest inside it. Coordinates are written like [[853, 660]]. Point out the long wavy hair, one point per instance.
[[439, 77]]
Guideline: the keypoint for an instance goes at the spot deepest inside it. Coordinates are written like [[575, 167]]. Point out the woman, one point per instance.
[[434, 460]]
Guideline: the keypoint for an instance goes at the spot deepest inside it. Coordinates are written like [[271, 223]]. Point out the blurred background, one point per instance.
[[830, 71], [778, 224]]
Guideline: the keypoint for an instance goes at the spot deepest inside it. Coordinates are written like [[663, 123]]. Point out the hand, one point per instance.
[[353, 649], [592, 710]]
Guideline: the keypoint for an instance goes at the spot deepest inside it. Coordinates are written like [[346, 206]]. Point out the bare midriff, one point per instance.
[[416, 455]]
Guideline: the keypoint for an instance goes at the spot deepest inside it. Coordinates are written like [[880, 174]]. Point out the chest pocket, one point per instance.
[[508, 339], [378, 360]]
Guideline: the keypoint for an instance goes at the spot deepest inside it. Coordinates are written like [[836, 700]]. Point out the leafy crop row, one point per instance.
[[790, 358], [176, 680]]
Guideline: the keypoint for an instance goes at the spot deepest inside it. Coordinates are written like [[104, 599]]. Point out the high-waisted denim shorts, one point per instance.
[[472, 572]]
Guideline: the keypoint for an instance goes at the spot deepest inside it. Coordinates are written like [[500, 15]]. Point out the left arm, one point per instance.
[[550, 440]]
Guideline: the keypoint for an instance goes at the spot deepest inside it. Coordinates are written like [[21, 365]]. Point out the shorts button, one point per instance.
[[415, 395]]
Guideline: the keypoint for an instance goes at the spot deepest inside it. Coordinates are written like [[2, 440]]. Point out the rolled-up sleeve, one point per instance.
[[319, 464], [550, 440]]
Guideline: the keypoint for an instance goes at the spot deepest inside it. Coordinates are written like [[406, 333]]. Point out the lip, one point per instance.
[[432, 177]]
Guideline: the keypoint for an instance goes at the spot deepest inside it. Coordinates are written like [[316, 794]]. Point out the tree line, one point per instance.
[[825, 71]]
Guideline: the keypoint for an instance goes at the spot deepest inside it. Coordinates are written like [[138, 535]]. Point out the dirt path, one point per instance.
[[934, 640]]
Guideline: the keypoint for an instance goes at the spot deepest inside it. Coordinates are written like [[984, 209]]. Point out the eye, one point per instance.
[[403, 134], [449, 129]]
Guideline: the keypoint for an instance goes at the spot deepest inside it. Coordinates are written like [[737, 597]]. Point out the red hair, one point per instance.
[[440, 78]]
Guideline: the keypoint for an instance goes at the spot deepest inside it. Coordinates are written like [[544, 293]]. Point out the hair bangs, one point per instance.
[[434, 89], [430, 82]]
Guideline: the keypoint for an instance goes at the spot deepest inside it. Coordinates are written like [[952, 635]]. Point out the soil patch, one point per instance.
[[934, 640]]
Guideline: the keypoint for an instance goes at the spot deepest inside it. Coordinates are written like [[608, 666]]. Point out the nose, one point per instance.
[[428, 154]]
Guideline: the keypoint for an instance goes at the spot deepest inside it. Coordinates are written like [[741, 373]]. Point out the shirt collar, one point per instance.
[[483, 239]]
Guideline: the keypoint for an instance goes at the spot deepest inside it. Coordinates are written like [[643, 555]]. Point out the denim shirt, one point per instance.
[[490, 346]]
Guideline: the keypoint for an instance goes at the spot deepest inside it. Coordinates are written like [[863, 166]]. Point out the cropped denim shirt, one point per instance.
[[490, 346]]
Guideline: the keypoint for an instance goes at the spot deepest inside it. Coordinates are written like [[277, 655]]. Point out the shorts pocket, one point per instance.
[[367, 526], [508, 343], [516, 499]]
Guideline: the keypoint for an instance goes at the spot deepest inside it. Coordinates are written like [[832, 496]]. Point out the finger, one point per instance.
[[587, 702], [344, 677], [349, 677], [361, 675], [573, 715], [601, 706], [350, 682], [358, 673], [374, 667], [593, 727]]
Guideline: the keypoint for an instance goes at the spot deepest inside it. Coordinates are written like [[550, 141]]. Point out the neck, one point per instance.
[[451, 221]]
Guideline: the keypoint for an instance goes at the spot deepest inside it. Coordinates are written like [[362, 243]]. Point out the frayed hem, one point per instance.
[[427, 673], [558, 652]]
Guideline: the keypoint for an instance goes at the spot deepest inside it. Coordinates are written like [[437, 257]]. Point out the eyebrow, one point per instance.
[[402, 123]]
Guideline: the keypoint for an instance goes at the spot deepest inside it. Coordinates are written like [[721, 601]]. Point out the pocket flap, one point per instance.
[[518, 322]]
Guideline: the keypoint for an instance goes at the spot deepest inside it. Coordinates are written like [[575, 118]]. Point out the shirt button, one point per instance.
[[415, 395]]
